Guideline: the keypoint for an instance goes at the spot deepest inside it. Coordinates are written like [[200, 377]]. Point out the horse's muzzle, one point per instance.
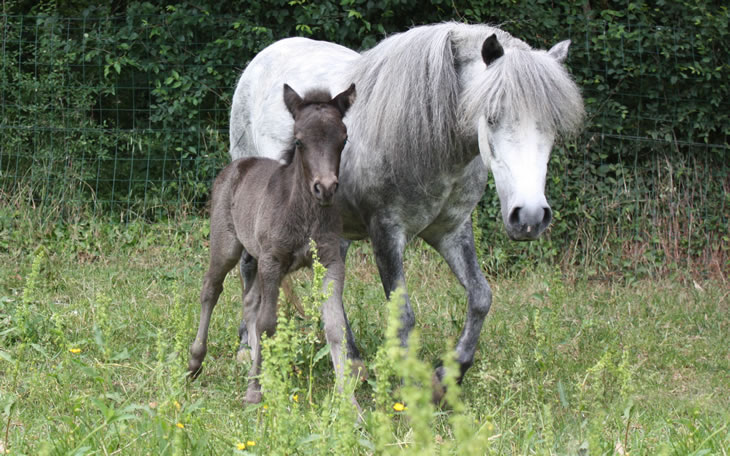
[[527, 223]]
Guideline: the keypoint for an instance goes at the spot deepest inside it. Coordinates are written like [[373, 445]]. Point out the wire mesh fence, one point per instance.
[[129, 116], [82, 126]]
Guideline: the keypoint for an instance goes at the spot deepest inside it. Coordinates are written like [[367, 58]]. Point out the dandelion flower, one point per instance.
[[250, 443], [75, 351], [295, 398], [180, 425], [399, 407], [241, 446]]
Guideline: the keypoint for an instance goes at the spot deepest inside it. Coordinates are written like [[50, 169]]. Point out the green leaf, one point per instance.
[[321, 353]]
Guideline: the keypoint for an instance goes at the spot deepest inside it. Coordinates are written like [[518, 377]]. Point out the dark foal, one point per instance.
[[269, 211]]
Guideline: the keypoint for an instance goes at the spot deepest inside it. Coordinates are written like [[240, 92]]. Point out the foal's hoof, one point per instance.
[[438, 390], [252, 397]]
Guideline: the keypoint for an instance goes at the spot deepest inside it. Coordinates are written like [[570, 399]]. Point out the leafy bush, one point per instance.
[[125, 106]]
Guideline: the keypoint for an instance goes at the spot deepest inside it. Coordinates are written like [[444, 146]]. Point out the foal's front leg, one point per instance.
[[263, 320]]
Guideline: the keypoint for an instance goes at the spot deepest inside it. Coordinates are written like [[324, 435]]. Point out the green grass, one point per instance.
[[96, 319]]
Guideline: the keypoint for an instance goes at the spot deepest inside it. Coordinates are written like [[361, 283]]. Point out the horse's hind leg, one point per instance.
[[388, 245], [224, 253], [458, 250], [353, 353], [248, 268]]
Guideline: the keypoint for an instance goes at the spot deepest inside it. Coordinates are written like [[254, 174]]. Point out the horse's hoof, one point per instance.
[[194, 369], [244, 354], [359, 370], [252, 397]]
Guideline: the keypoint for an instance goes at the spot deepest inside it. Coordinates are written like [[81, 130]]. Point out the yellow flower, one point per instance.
[[180, 425], [177, 405], [75, 351], [399, 407], [295, 398], [250, 443], [241, 446]]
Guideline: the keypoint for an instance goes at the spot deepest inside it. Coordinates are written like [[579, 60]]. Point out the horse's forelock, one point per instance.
[[521, 82]]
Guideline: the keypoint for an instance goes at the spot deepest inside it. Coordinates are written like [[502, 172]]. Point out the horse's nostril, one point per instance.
[[547, 217], [514, 216], [334, 187], [317, 188]]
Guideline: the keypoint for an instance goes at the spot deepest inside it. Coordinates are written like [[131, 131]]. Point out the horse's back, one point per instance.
[[260, 124]]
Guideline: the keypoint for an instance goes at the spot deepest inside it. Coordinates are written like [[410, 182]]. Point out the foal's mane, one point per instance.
[[413, 110]]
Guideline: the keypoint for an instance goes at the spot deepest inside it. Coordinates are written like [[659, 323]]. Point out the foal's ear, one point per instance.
[[491, 49], [344, 100], [292, 100], [560, 51]]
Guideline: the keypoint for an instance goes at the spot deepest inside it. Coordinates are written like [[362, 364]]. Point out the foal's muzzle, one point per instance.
[[324, 189]]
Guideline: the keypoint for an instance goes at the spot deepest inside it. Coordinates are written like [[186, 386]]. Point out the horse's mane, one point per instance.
[[407, 97], [409, 92]]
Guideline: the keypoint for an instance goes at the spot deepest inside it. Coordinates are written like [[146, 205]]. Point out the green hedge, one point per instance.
[[124, 108]]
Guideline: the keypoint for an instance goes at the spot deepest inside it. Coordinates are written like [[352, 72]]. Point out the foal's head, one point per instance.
[[319, 137]]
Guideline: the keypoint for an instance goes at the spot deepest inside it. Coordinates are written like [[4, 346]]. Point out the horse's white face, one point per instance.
[[517, 153]]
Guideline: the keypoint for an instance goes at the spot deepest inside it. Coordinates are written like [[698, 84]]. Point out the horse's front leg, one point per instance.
[[457, 248], [389, 243], [266, 287]]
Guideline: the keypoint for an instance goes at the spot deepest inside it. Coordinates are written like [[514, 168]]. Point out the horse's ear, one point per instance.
[[491, 49], [344, 100], [292, 100], [560, 51]]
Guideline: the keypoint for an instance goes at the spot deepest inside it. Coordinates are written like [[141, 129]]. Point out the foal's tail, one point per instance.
[[291, 296]]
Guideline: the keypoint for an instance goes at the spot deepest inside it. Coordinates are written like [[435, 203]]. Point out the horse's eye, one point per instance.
[[491, 121], [297, 143], [344, 143]]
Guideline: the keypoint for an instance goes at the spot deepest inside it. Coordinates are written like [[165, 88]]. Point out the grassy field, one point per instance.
[[96, 319]]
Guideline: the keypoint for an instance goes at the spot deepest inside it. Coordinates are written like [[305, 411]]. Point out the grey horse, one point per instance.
[[442, 105]]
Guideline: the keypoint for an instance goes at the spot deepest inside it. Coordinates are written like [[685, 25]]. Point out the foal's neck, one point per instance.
[[300, 198]]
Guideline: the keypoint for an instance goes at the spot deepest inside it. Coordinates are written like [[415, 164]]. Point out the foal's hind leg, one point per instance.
[[248, 268], [224, 253]]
